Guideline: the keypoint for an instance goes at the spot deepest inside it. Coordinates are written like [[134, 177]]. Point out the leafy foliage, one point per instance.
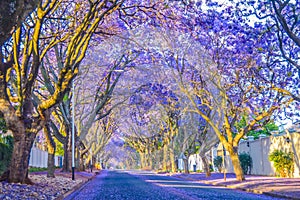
[[265, 130], [218, 163], [283, 163], [59, 148], [264, 127], [240, 72], [3, 127], [6, 149], [150, 94], [246, 162]]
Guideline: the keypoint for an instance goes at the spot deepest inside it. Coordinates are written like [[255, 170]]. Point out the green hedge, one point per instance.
[[218, 162], [246, 162], [6, 148]]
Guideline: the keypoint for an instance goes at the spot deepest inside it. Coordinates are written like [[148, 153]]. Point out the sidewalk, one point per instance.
[[63, 182], [272, 186], [81, 175]]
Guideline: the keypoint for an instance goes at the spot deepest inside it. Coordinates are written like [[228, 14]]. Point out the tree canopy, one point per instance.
[[156, 76]]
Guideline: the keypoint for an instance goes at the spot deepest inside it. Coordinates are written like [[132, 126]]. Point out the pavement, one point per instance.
[[288, 188]]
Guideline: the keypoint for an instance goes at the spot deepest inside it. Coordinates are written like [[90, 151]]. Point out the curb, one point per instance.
[[77, 187], [253, 191], [280, 195], [243, 189]]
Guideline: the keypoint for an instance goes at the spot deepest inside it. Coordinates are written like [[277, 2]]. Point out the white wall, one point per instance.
[[195, 160], [260, 149], [39, 158]]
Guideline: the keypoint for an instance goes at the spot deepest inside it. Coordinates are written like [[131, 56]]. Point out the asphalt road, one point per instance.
[[140, 185]]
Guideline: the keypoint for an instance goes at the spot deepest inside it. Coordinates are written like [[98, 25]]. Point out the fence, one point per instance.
[[39, 158], [260, 149]]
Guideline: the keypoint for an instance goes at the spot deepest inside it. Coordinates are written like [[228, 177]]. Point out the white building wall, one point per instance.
[[39, 158], [260, 149], [195, 160]]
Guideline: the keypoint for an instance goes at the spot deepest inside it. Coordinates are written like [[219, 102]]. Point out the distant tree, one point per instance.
[[54, 22]]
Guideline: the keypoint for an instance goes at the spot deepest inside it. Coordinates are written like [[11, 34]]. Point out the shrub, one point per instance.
[[246, 162], [37, 169], [283, 163], [6, 149], [218, 162], [211, 168]]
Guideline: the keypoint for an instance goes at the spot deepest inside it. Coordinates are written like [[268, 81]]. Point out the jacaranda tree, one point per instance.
[[51, 23]]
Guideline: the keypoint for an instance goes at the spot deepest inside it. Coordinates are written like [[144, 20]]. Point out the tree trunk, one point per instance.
[[142, 158], [186, 166], [18, 170], [150, 161], [51, 165], [67, 166], [172, 159], [165, 158], [51, 152], [205, 165], [127, 164], [78, 158], [146, 154], [12, 13], [81, 161], [236, 165], [24, 129]]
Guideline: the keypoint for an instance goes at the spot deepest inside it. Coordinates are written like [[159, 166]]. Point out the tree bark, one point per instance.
[[146, 154], [165, 158], [172, 158], [78, 158], [24, 129], [67, 154], [81, 162], [186, 166], [142, 158], [19, 167], [12, 13], [51, 152], [51, 165], [205, 165], [236, 165], [18, 170], [150, 161]]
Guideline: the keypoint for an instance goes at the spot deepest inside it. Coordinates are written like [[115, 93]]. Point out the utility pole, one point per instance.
[[73, 131]]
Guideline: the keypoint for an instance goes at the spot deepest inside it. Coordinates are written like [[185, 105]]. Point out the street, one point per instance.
[[141, 185]]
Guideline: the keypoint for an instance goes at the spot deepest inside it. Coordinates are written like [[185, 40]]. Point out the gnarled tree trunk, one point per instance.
[[18, 170], [51, 146], [24, 131]]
